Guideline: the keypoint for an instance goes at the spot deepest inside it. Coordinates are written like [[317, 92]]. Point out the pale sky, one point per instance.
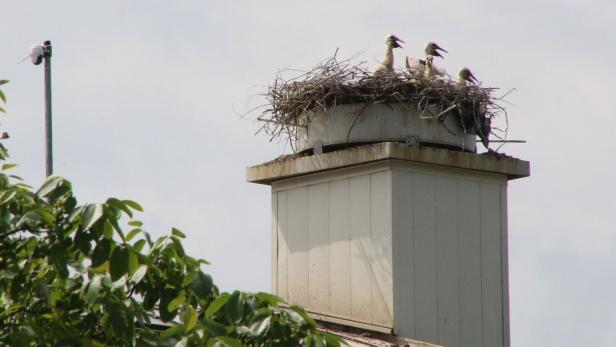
[[147, 94]]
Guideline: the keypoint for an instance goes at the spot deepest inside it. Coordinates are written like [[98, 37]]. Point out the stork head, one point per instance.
[[433, 49], [465, 75], [393, 42]]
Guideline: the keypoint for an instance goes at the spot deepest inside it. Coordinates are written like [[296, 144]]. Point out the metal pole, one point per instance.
[[48, 124]]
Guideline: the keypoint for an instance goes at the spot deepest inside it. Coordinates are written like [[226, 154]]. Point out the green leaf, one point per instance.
[[173, 331], [189, 318], [177, 302], [2, 96], [3, 82], [93, 289], [138, 246], [304, 315], [133, 262], [188, 278], [47, 217], [178, 233], [8, 166], [216, 329], [135, 206], [132, 234], [234, 308], [119, 205], [215, 305], [119, 263], [101, 252], [202, 285], [168, 294], [270, 298], [7, 196], [114, 285], [179, 249], [331, 340], [119, 319], [150, 298], [107, 230], [138, 275], [260, 328], [82, 241], [135, 223], [91, 215], [50, 184], [59, 257], [314, 341]]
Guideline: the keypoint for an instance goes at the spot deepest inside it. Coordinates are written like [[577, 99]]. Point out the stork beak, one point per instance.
[[438, 48], [397, 42]]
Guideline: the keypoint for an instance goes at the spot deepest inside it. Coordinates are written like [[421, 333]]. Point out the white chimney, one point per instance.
[[396, 238]]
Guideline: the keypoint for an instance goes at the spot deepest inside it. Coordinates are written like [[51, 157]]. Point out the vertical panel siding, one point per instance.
[[424, 258], [274, 244], [427, 248], [402, 228], [298, 246], [470, 263], [318, 243], [491, 264], [447, 260], [361, 272], [283, 248], [380, 220], [340, 247], [505, 265]]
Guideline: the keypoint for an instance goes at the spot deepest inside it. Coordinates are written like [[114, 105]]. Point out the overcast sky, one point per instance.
[[147, 95]]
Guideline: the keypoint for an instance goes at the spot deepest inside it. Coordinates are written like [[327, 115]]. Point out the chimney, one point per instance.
[[405, 234]]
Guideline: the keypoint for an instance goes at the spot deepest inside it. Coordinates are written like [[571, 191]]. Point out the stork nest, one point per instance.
[[332, 82]]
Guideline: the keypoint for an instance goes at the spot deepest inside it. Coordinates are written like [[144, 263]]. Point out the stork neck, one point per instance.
[[389, 57]]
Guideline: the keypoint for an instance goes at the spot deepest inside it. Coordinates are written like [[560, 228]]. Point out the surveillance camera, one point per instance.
[[37, 53]]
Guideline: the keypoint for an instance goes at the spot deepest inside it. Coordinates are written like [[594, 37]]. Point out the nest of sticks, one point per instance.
[[333, 82]]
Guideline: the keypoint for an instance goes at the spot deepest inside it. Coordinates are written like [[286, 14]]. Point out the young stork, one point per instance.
[[416, 67], [419, 67], [386, 65], [433, 70], [466, 76]]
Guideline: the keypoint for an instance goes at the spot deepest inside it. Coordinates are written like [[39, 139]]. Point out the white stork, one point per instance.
[[386, 65], [421, 68], [433, 70]]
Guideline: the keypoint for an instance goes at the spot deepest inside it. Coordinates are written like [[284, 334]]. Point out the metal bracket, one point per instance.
[[47, 49]]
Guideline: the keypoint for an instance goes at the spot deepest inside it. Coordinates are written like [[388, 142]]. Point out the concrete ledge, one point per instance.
[[291, 166]]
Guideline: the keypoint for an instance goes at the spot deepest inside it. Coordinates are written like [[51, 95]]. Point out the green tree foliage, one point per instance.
[[89, 275], [3, 152]]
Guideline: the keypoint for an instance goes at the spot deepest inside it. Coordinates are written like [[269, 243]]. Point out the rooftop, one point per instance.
[[356, 337]]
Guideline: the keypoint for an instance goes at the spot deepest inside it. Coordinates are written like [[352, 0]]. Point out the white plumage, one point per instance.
[[433, 70], [421, 68], [386, 65], [416, 67]]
